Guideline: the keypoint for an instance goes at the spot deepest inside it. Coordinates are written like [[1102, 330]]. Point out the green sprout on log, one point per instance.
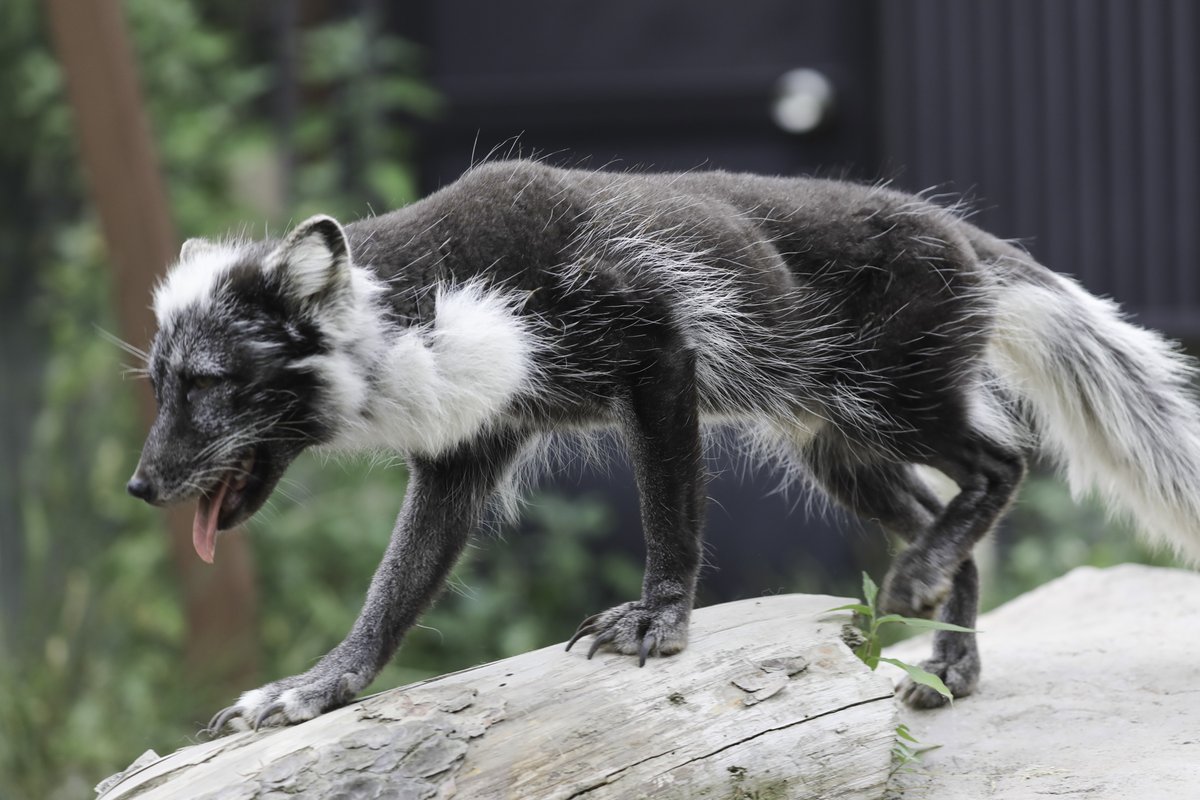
[[871, 622]]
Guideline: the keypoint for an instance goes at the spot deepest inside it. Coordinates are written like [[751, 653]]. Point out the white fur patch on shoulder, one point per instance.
[[194, 278], [438, 385]]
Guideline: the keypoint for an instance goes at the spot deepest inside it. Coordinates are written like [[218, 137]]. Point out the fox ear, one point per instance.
[[313, 261], [194, 247]]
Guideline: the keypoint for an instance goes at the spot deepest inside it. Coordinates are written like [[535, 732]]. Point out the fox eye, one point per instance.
[[198, 384]]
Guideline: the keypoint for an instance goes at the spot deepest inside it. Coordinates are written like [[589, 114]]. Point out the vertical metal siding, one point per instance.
[[1185, 150], [1074, 125]]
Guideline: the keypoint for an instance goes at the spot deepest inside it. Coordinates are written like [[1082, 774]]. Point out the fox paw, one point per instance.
[[640, 628], [960, 676], [288, 701], [914, 586]]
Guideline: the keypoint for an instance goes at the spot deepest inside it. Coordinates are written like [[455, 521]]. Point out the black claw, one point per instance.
[[223, 718], [267, 713], [599, 642], [579, 634], [585, 627], [644, 649], [590, 620]]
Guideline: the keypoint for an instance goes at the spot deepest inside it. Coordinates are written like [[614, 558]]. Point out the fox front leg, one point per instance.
[[443, 504], [663, 432]]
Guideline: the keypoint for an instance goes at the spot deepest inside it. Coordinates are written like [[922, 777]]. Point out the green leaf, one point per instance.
[[870, 590], [925, 624], [857, 608], [921, 676], [868, 652], [904, 733]]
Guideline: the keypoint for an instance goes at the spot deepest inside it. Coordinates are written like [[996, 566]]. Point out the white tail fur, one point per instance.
[[1111, 402]]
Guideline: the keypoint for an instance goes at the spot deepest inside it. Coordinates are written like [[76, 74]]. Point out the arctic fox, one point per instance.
[[850, 332]]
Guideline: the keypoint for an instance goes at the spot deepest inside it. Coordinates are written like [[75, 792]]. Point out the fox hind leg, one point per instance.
[[988, 474], [889, 493], [937, 569], [955, 655], [893, 495]]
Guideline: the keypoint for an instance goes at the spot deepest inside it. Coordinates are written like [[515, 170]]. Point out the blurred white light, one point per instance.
[[803, 100]]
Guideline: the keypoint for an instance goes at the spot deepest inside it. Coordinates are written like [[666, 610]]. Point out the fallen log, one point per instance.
[[766, 702]]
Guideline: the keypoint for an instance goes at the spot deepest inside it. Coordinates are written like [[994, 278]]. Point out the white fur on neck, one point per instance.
[[436, 385]]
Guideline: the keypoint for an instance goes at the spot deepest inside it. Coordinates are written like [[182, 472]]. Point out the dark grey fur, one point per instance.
[[864, 308]]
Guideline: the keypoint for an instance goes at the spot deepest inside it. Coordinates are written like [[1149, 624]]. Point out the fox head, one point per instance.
[[236, 367]]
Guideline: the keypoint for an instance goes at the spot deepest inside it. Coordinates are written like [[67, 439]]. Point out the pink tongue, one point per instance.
[[204, 526]]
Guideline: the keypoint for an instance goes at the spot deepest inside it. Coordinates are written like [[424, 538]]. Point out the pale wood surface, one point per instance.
[[1090, 688], [708, 723]]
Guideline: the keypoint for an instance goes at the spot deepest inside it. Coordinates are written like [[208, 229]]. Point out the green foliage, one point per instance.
[[872, 624], [512, 592], [369, 78], [92, 670], [1049, 533], [904, 755], [101, 637], [907, 752], [201, 95], [97, 648]]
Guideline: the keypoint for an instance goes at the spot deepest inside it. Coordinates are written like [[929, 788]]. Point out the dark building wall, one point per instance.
[[1073, 124], [673, 84], [1076, 124]]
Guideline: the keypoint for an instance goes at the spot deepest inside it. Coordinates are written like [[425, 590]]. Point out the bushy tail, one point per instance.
[[1111, 402]]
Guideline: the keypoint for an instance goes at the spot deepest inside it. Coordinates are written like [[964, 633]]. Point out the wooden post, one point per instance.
[[126, 185]]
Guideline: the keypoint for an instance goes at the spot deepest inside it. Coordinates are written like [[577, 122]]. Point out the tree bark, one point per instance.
[[766, 702], [127, 188]]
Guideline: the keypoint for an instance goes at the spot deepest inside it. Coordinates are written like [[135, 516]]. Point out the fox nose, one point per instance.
[[141, 488]]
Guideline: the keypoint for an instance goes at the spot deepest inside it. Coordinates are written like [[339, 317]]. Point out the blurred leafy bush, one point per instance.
[[91, 668], [1048, 533]]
